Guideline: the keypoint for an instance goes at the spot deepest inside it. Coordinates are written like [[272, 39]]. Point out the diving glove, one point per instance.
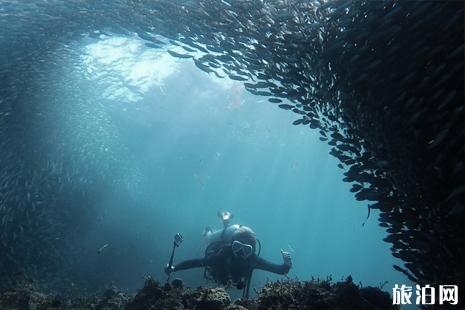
[[169, 269], [287, 258]]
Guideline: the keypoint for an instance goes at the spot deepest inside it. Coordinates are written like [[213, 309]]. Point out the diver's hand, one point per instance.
[[287, 259], [169, 269]]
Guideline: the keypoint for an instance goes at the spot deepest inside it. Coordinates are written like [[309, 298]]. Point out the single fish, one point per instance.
[[102, 248]]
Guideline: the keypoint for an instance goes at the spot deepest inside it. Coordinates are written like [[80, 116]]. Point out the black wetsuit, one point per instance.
[[225, 266]]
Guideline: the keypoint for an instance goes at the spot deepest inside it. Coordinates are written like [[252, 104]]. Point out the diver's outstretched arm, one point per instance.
[[263, 264], [190, 263]]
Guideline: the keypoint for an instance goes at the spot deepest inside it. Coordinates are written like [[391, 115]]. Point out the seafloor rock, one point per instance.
[[26, 296], [318, 294], [235, 307], [211, 299], [177, 283], [155, 296], [289, 294], [112, 299]]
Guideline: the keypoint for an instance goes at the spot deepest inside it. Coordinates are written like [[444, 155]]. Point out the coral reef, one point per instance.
[[321, 295], [288, 294]]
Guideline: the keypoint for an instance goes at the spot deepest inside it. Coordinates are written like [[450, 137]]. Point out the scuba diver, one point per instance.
[[231, 257]]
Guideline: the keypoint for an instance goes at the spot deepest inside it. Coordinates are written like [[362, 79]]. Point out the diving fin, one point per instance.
[[207, 231], [225, 216]]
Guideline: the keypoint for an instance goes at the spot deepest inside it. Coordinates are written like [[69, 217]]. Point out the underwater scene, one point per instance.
[[232, 154]]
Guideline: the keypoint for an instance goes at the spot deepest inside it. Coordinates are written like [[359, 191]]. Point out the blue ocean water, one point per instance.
[[196, 145]]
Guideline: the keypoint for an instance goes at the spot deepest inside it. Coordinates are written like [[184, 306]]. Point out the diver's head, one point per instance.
[[244, 242]]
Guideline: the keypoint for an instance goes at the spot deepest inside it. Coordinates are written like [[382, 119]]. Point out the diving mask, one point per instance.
[[240, 249]]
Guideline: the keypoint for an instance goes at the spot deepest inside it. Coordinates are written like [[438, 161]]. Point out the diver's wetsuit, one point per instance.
[[225, 266]]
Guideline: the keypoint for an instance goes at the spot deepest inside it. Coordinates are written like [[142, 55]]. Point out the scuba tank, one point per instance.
[[227, 234], [224, 235]]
